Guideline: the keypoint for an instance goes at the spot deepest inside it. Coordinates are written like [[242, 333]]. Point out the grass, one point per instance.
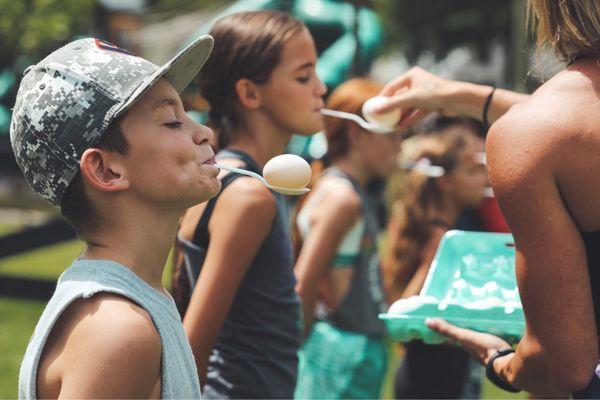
[[17, 321], [49, 262]]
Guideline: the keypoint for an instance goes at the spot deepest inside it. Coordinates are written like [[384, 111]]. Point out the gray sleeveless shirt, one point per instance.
[[360, 308], [87, 277]]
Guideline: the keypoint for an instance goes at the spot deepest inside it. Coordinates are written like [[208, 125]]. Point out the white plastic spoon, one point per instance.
[[353, 117], [282, 190]]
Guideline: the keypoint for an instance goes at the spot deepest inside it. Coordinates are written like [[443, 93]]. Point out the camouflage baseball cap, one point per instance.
[[66, 102]]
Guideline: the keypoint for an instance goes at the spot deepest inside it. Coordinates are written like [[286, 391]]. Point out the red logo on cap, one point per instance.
[[104, 45]]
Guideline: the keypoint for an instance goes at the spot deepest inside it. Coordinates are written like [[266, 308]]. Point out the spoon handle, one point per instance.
[[242, 171], [353, 117], [342, 114]]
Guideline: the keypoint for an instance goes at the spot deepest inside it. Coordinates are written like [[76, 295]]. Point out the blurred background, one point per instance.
[[482, 41]]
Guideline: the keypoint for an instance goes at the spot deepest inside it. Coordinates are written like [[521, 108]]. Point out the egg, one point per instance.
[[287, 171], [388, 119], [408, 304]]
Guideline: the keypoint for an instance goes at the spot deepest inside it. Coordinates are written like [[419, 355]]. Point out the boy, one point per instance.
[[103, 135]]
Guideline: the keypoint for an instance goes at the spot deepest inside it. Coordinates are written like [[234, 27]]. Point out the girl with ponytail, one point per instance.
[[338, 265], [446, 178], [234, 275]]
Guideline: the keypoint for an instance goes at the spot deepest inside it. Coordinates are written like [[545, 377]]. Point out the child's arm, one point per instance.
[[240, 222], [102, 347], [336, 213]]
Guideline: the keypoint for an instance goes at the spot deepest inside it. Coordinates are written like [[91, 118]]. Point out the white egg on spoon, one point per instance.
[[388, 119], [285, 174], [374, 122]]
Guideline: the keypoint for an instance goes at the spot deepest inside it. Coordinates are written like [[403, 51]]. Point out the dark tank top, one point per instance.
[[255, 355], [592, 248], [365, 300]]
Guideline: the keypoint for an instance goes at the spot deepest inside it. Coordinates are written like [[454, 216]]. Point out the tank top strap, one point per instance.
[[201, 236]]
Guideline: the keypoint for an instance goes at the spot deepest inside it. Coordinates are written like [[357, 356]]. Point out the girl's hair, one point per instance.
[[570, 27], [348, 97], [421, 195], [247, 45]]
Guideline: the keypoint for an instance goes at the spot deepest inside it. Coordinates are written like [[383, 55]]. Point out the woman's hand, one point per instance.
[[480, 346], [418, 93]]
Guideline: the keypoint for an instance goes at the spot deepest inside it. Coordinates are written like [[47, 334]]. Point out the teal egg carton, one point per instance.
[[471, 284]]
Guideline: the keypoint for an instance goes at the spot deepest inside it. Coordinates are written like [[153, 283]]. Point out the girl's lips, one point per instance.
[[210, 161]]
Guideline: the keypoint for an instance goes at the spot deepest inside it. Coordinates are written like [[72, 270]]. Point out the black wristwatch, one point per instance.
[[493, 377]]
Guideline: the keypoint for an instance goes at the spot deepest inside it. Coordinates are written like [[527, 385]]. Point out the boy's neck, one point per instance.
[[139, 240]]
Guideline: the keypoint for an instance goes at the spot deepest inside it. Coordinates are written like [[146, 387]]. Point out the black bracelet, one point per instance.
[[490, 372], [486, 107]]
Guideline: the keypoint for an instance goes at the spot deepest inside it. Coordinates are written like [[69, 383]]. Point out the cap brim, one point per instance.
[[179, 71]]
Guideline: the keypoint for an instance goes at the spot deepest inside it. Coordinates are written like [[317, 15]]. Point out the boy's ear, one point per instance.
[[103, 171], [248, 93]]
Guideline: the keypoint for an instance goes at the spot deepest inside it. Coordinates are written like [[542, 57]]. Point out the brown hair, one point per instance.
[[570, 27], [247, 45], [412, 212], [75, 206], [348, 97]]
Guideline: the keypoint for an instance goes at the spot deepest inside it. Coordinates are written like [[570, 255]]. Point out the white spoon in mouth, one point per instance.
[[376, 128], [282, 190]]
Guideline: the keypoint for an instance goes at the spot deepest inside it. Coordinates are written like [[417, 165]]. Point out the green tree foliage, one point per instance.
[[438, 26], [34, 27]]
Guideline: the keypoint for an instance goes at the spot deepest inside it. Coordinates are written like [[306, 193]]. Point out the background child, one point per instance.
[[243, 318], [430, 207], [338, 266]]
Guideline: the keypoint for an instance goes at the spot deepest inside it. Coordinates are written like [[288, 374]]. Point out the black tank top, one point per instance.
[[592, 248], [255, 355]]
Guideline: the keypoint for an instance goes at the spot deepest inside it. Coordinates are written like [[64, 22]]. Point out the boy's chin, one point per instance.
[[208, 192]]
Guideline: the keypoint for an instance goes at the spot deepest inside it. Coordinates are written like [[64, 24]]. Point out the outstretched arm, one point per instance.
[[418, 93]]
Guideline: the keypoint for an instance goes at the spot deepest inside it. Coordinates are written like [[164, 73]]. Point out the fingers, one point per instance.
[[445, 329], [403, 81], [412, 118], [480, 345], [402, 100]]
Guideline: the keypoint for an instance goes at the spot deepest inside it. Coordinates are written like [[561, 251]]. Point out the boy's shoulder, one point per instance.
[[101, 346]]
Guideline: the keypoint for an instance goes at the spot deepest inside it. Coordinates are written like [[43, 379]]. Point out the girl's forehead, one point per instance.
[[299, 51]]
